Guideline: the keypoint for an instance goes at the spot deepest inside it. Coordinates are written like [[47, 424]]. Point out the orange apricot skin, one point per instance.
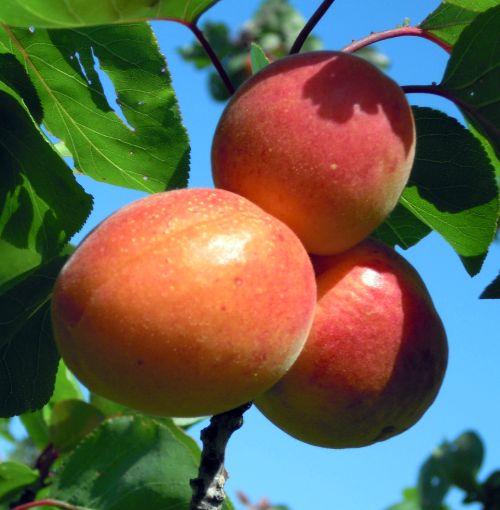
[[184, 303], [374, 360], [324, 141]]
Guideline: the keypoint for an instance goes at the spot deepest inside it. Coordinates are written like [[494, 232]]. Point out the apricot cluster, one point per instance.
[[192, 302]]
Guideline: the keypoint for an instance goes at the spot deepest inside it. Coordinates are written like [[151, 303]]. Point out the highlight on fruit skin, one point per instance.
[[324, 141], [184, 303], [374, 360]]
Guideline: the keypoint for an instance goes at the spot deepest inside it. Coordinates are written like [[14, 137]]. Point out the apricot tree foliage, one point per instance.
[[50, 92]]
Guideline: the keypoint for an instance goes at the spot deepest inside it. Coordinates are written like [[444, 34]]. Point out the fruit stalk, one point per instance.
[[208, 488], [395, 32], [466, 108], [213, 57], [309, 26]]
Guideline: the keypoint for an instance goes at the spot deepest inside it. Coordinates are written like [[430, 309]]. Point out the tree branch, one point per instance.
[[212, 56], [395, 32], [208, 488], [309, 26]]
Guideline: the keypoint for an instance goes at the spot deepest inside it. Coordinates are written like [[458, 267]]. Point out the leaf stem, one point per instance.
[[49, 502], [43, 464], [208, 488], [309, 26], [464, 106], [212, 56], [395, 32]]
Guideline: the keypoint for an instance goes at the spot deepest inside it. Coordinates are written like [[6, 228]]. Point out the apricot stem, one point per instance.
[[49, 502], [309, 26], [396, 32], [208, 488], [43, 464], [463, 105], [212, 56]]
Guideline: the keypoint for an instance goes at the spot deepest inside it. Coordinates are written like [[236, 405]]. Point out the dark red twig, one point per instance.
[[464, 106], [212, 56], [48, 502], [43, 464], [395, 32], [309, 26]]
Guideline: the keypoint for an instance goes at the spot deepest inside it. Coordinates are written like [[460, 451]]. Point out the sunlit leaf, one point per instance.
[[41, 204], [139, 143], [70, 421], [473, 74], [36, 428], [79, 13], [452, 188], [258, 58], [452, 16], [129, 463], [13, 478], [402, 228]]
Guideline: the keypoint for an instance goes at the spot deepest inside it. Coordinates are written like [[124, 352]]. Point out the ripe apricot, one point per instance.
[[184, 303], [324, 141], [375, 357]]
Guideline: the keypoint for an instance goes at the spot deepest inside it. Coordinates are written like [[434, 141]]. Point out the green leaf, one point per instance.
[[25, 296], [62, 150], [37, 428], [433, 484], [452, 188], [401, 228], [71, 421], [147, 151], [449, 20], [108, 407], [410, 501], [473, 74], [14, 477], [455, 463], [186, 423], [129, 463], [14, 75], [492, 291], [28, 366], [488, 147], [78, 13], [258, 58], [41, 204], [30, 358], [461, 460], [66, 386], [5, 432]]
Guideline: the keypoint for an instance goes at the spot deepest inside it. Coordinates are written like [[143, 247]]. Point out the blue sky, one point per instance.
[[261, 459]]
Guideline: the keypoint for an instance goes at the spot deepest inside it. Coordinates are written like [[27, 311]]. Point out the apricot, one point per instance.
[[324, 141], [184, 303], [374, 360]]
